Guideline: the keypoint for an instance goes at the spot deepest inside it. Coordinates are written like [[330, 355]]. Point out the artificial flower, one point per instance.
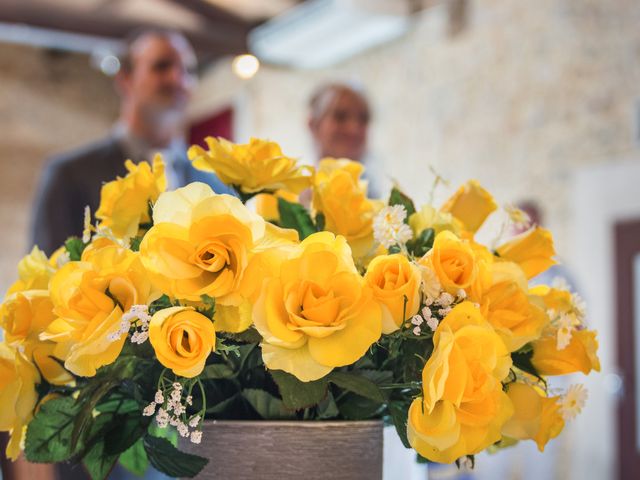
[[316, 312], [453, 261], [252, 167], [471, 205], [580, 355], [395, 283], [182, 339], [125, 202], [532, 250]]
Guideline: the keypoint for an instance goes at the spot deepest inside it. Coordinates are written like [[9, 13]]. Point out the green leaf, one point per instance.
[[88, 401], [163, 302], [74, 247], [295, 216], [357, 384], [98, 462], [423, 243], [328, 408], [399, 411], [216, 371], [135, 458], [210, 306], [220, 407], [266, 405], [297, 394], [169, 460], [356, 407], [49, 433], [135, 243], [398, 198], [523, 362], [320, 222]]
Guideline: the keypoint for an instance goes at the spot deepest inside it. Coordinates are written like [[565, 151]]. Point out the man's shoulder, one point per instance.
[[90, 155]]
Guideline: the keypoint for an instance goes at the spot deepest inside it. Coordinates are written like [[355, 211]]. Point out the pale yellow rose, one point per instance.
[[89, 298], [252, 167], [124, 202], [532, 250], [18, 397], [553, 298], [341, 197], [34, 272], [471, 205], [536, 416], [579, 356], [316, 312], [182, 339], [23, 317], [207, 244], [429, 217], [515, 318], [453, 260], [463, 407], [395, 283]]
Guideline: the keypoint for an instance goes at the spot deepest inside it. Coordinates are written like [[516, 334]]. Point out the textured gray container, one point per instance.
[[283, 450]]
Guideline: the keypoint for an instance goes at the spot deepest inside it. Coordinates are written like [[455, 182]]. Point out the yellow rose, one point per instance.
[[182, 339], [124, 202], [267, 204], [18, 397], [579, 356], [34, 272], [342, 198], [553, 298], [395, 283], [532, 250], [453, 261], [87, 298], [253, 167], [463, 407], [23, 317], [509, 310], [536, 416], [207, 244], [485, 271], [315, 312], [471, 204], [429, 217]]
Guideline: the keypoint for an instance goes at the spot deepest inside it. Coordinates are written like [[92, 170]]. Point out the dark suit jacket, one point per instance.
[[73, 180]]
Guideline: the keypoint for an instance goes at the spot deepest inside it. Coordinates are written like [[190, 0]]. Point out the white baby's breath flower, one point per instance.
[[417, 331], [159, 397], [149, 410], [193, 423], [461, 294], [389, 228], [174, 421], [443, 312], [433, 323], [162, 418], [417, 320], [426, 312], [183, 430], [189, 400], [196, 437], [445, 299], [572, 402]]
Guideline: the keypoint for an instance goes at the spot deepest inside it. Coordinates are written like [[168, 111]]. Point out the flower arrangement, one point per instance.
[[180, 306]]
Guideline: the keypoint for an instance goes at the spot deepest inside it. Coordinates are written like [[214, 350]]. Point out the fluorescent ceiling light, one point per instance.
[[320, 33]]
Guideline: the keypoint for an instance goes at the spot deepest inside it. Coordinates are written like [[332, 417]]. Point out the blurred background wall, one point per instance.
[[537, 100]]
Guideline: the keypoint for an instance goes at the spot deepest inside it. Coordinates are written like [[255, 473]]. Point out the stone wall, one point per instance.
[[49, 102]]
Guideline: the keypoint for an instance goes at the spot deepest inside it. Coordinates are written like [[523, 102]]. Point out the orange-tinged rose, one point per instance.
[[23, 317], [532, 250], [453, 261], [395, 283], [471, 205], [536, 416], [315, 312], [253, 167], [463, 406], [579, 356], [89, 298], [183, 339]]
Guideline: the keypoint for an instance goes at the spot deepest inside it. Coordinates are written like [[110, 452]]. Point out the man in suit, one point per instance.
[[157, 76]]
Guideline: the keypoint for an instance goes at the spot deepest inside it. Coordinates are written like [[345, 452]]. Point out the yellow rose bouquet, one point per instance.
[[180, 306]]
